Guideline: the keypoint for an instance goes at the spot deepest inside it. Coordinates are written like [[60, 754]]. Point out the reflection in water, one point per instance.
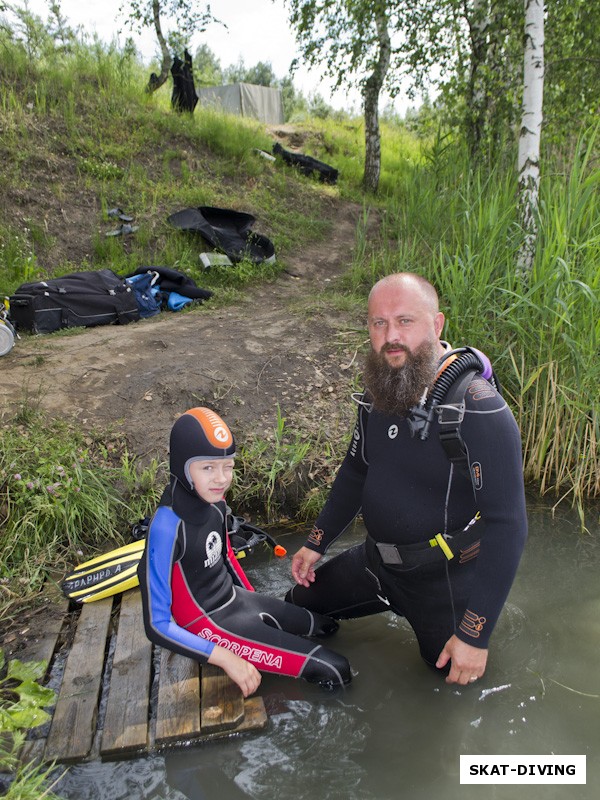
[[398, 730]]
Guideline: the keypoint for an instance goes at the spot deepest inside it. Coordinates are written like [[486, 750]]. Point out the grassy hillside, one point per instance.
[[86, 138], [81, 136]]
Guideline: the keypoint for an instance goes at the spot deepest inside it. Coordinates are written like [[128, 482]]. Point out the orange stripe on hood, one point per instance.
[[216, 430]]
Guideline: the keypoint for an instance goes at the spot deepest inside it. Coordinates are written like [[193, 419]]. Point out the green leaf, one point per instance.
[[27, 718], [6, 722], [31, 694], [29, 671]]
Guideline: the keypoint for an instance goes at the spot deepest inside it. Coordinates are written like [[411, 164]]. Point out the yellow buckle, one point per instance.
[[441, 542]]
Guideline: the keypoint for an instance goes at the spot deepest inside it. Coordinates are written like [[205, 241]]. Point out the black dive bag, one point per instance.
[[82, 299]]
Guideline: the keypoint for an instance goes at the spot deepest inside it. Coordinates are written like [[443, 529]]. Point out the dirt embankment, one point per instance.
[[244, 361]]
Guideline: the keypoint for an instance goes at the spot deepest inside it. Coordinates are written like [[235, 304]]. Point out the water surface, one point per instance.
[[398, 730]]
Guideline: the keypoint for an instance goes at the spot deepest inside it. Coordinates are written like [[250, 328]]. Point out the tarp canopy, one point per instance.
[[245, 99]]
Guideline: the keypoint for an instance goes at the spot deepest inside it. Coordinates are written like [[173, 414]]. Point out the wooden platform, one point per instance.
[[119, 695]]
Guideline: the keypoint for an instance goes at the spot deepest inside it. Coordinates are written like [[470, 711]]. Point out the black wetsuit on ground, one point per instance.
[[408, 491]]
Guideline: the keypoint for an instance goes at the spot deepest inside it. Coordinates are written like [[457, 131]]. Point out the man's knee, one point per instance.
[[306, 598]]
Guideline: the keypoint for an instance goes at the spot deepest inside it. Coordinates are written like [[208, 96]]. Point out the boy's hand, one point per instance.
[[241, 672]]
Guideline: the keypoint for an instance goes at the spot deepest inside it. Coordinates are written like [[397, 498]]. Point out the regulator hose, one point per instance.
[[466, 359]]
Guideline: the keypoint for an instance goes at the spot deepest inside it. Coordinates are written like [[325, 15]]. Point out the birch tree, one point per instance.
[[351, 40], [372, 90], [530, 133]]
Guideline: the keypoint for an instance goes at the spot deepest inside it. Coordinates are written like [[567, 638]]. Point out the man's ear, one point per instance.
[[438, 323]]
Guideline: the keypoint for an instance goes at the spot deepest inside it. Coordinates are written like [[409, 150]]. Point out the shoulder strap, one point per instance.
[[450, 416]]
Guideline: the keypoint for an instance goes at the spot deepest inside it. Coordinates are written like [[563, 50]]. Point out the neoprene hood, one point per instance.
[[198, 435]]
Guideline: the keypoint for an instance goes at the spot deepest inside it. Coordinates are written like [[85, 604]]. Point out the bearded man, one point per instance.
[[443, 545]]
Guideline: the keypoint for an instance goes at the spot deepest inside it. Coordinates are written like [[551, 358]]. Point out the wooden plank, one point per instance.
[[222, 702], [42, 649], [74, 723], [126, 719], [255, 718], [255, 715], [178, 708], [32, 751]]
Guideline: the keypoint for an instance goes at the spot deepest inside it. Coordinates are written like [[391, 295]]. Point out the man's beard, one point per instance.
[[395, 390]]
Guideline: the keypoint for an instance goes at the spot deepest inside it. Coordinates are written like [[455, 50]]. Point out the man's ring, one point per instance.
[[473, 679]]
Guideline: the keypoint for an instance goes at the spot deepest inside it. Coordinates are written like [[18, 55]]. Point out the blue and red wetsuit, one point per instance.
[[195, 595]]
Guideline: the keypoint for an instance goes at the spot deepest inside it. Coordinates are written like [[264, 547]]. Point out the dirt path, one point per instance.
[[241, 360]]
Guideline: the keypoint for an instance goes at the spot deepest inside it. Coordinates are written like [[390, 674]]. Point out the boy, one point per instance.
[[197, 601]]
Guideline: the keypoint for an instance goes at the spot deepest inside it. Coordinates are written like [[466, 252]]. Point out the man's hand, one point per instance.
[[303, 566], [467, 662]]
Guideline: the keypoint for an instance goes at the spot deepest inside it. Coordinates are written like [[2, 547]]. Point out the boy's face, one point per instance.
[[212, 478]]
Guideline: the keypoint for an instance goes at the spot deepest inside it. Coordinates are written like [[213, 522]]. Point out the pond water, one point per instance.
[[398, 730]]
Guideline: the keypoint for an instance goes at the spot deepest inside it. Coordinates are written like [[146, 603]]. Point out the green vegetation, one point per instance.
[[22, 704], [63, 492], [289, 471]]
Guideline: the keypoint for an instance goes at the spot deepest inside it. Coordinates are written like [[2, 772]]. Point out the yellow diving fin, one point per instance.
[[105, 575]]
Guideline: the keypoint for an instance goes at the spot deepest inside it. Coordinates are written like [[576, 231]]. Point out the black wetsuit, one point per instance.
[[408, 491]]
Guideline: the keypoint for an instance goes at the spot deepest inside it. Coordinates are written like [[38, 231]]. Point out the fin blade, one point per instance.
[[105, 575], [132, 548], [123, 586]]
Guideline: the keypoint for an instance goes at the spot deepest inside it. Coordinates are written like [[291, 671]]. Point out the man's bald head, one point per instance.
[[408, 281]]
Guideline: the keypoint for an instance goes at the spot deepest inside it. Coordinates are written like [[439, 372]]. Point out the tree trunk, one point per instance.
[[371, 105], [156, 81], [530, 134], [477, 97]]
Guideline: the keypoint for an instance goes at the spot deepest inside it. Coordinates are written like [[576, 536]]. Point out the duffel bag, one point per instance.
[[82, 299]]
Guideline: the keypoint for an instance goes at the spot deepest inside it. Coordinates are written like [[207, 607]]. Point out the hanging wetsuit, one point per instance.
[[195, 594], [408, 492]]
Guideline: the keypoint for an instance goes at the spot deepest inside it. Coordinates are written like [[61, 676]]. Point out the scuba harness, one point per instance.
[[447, 400]]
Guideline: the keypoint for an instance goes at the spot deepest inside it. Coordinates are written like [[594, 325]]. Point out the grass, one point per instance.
[[285, 475], [63, 492]]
